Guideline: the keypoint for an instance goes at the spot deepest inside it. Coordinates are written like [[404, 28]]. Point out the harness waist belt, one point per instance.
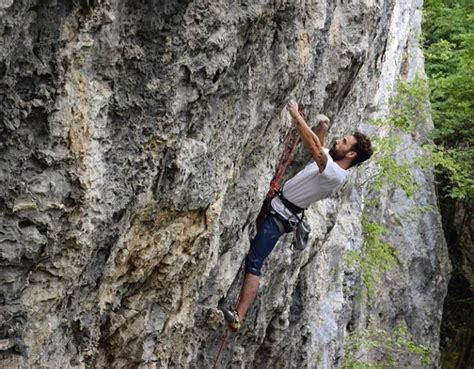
[[289, 205]]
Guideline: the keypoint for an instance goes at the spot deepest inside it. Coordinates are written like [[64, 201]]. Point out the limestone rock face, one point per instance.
[[138, 139]]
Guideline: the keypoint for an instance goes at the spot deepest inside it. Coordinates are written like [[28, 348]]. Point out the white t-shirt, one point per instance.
[[308, 185]]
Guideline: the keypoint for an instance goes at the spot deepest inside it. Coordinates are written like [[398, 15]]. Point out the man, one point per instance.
[[316, 181]]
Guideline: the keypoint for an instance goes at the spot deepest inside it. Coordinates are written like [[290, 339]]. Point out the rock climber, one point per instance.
[[317, 181]]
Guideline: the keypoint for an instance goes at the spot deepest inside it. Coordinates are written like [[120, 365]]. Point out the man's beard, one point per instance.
[[335, 155]]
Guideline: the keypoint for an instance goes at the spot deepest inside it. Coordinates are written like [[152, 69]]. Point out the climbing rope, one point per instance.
[[221, 348], [289, 150], [290, 144], [286, 158], [224, 340]]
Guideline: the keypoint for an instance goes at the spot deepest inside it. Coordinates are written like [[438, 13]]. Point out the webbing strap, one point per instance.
[[289, 205]]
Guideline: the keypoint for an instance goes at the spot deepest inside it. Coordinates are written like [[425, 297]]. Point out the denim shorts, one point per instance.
[[263, 243]]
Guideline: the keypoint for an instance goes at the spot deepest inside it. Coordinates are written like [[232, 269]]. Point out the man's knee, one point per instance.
[[253, 271], [261, 246], [253, 265]]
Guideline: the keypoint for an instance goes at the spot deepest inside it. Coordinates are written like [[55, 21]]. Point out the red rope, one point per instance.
[[286, 157], [224, 340]]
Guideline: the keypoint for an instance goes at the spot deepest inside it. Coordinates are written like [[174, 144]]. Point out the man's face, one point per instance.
[[341, 147]]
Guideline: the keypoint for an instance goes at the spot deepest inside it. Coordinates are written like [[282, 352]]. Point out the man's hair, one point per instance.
[[363, 148]]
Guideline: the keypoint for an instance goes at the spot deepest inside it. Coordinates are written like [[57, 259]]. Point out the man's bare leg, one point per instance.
[[248, 293]]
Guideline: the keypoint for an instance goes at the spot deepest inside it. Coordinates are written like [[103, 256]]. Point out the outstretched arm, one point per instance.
[[308, 137]]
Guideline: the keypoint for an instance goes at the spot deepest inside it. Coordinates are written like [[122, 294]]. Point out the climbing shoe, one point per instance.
[[232, 318]]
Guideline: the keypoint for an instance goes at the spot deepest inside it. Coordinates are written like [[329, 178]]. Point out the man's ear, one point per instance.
[[351, 154]]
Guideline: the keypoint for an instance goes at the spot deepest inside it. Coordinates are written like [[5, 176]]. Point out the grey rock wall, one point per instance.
[[137, 141]]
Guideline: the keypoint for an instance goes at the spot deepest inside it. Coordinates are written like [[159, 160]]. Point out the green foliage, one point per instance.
[[378, 255], [409, 106], [448, 28], [413, 214], [398, 175], [449, 164], [381, 343], [375, 258], [448, 42], [453, 162], [390, 171], [351, 259]]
